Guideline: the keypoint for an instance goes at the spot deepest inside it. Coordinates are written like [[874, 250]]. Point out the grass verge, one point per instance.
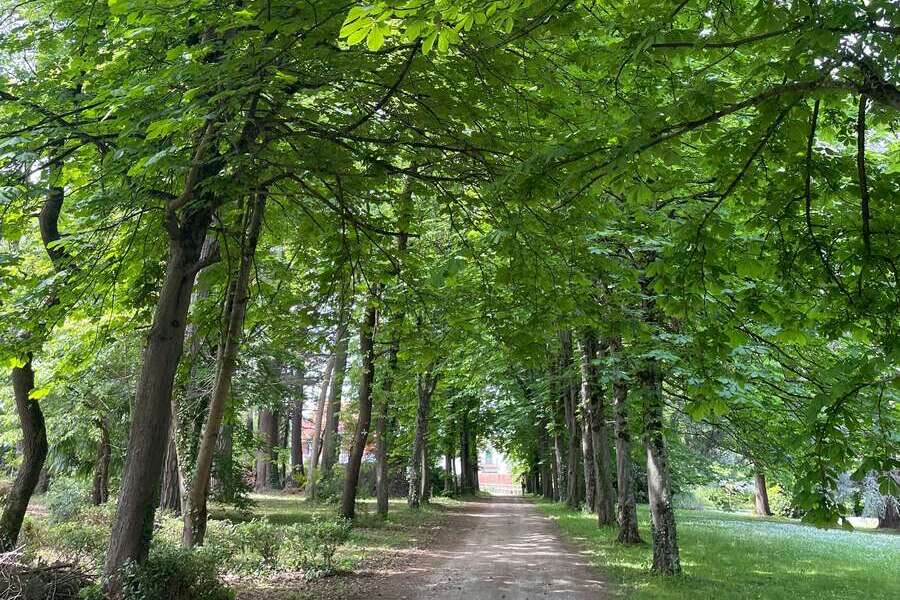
[[727, 556]]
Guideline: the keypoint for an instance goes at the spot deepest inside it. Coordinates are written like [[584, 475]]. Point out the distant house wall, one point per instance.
[[495, 473]]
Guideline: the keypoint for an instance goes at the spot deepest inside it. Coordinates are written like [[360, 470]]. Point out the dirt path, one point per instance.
[[493, 549]]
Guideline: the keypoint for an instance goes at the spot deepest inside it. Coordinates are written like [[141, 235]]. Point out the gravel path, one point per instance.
[[493, 549]]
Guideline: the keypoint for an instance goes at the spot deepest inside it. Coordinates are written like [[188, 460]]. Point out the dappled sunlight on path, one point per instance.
[[495, 548]]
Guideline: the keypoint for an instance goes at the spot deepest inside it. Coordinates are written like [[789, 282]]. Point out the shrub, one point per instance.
[[780, 502], [311, 547], [83, 538], [726, 496], [173, 573], [330, 486], [65, 497], [688, 500], [259, 546]]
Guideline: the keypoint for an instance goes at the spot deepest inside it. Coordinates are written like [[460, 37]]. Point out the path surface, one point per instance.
[[499, 548]]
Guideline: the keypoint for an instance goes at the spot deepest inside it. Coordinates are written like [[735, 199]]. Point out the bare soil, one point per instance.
[[498, 548]]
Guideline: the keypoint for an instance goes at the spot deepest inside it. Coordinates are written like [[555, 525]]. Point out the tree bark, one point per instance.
[[133, 525], [272, 446], [264, 452], [573, 438], [31, 418], [627, 507], [381, 432], [465, 484], [100, 487], [296, 424], [327, 374], [361, 434], [666, 558], [195, 511], [34, 452], [595, 408], [589, 418], [448, 472], [170, 489], [762, 495], [425, 387], [331, 444], [546, 462]]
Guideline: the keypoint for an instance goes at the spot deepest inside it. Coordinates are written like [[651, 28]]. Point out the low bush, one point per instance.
[[726, 497], [780, 502], [260, 546], [311, 547], [687, 500], [173, 573], [65, 497]]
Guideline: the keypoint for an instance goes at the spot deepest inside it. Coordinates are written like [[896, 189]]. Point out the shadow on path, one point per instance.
[[494, 548]]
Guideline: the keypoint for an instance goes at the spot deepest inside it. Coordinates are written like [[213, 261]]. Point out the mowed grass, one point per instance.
[[727, 556], [371, 534]]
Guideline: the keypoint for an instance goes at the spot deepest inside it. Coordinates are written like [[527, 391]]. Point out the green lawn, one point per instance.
[[734, 556]]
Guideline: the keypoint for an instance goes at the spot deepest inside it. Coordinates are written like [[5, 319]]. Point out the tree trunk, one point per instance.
[[546, 462], [424, 386], [34, 452], [891, 517], [296, 423], [264, 453], [476, 485], [627, 510], [465, 481], [43, 484], [133, 525], [588, 417], [224, 471], [331, 444], [327, 374], [381, 432], [573, 437], [31, 418], [100, 487], [195, 511], [762, 495], [590, 469], [666, 558], [448, 472], [361, 434], [594, 407], [170, 489], [272, 446], [559, 476]]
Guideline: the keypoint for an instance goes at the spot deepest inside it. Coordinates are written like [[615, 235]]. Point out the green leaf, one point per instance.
[[375, 39]]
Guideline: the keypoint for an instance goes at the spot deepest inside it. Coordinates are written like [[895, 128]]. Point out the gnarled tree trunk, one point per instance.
[[34, 452], [31, 418], [361, 434]]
